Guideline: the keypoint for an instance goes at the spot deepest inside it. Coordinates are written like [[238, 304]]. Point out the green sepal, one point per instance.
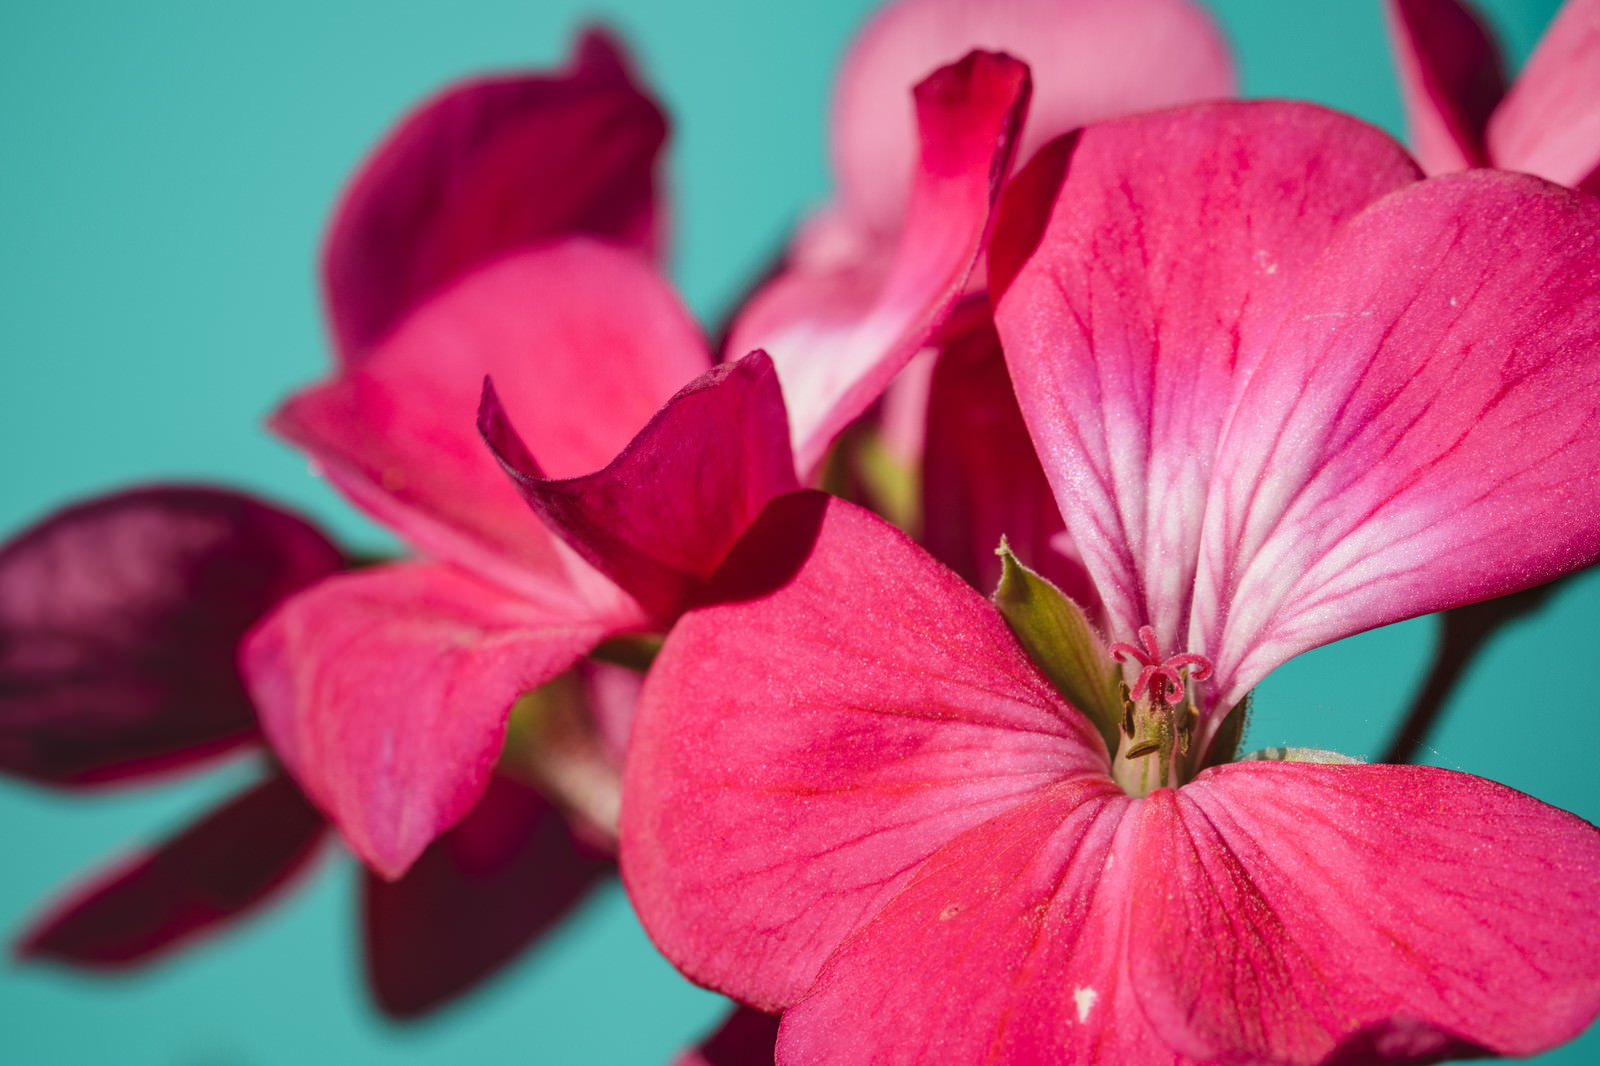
[[1314, 755], [1056, 635], [636, 651], [1230, 735]]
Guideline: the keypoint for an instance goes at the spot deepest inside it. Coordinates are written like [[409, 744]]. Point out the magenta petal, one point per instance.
[[839, 331], [1421, 433], [981, 478], [476, 899], [659, 519], [1007, 946], [585, 342], [1451, 78], [484, 169], [746, 1037], [211, 873], [386, 692], [1302, 906], [1549, 124], [864, 713], [119, 620], [1091, 60], [1127, 343]]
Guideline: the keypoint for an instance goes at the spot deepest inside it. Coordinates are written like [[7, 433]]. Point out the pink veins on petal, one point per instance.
[[1155, 666]]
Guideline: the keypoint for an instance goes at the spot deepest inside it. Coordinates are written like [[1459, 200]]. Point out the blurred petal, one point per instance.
[[981, 478], [119, 620], [484, 169], [659, 519], [1304, 906], [585, 343], [213, 872], [864, 713], [840, 332], [386, 692], [1127, 346], [1420, 434], [476, 899], [1451, 78], [1549, 124], [745, 1038], [1091, 60], [1008, 946]]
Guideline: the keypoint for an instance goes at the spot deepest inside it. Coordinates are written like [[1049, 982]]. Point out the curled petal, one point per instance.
[[213, 872], [1305, 907], [484, 169], [119, 620], [660, 517], [839, 331], [489, 887], [1451, 79], [864, 711], [386, 693]]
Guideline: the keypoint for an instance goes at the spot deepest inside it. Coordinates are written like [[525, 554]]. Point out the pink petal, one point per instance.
[[1451, 78], [1006, 947], [981, 478], [1421, 432], [212, 873], [840, 331], [659, 519], [1091, 60], [1303, 906], [866, 712], [477, 898], [119, 619], [1160, 268], [385, 692], [745, 1038], [1549, 124], [484, 169], [584, 341]]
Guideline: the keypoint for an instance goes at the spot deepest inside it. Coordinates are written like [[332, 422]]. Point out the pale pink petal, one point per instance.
[[213, 872], [1159, 270], [385, 692], [981, 478], [1091, 60], [659, 519], [839, 333], [1549, 124], [584, 341], [1007, 946], [1451, 78], [484, 169], [1421, 433], [1303, 906], [828, 736]]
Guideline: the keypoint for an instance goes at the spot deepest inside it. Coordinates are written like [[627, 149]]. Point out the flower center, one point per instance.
[[1158, 721]]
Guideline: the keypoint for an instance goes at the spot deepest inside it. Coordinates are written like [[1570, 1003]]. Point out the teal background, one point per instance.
[[165, 172]]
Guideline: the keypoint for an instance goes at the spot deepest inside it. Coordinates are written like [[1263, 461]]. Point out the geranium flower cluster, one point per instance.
[[1222, 382]]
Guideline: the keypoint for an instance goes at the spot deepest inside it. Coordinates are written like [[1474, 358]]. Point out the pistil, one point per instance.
[[1158, 720]]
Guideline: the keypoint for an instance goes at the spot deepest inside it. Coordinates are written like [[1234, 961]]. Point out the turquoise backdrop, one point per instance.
[[165, 171]]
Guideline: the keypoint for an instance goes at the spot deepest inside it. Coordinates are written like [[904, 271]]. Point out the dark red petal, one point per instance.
[[981, 478], [659, 519], [118, 624], [1451, 78], [486, 168], [477, 898], [213, 872], [745, 1038]]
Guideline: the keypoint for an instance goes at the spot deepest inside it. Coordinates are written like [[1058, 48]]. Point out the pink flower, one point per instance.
[[1283, 391], [1460, 113], [387, 692]]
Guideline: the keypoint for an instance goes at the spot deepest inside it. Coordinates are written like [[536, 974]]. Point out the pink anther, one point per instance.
[[1155, 666]]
